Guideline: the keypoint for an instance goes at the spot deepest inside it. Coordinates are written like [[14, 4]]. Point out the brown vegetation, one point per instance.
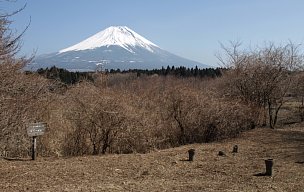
[[22, 97]]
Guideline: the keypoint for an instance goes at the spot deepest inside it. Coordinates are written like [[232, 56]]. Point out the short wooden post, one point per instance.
[[269, 165], [235, 149], [34, 148], [191, 154]]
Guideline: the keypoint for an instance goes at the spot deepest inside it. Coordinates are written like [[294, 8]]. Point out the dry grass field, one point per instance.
[[169, 170]]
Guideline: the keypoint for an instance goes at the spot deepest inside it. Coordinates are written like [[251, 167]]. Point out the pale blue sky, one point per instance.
[[188, 28]]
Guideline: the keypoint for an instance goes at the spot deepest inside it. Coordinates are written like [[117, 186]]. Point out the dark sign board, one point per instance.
[[36, 129]]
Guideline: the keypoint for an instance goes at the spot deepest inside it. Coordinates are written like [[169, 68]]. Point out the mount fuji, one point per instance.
[[116, 47]]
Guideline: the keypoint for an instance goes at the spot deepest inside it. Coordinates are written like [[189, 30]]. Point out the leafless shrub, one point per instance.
[[204, 117], [96, 115], [261, 77]]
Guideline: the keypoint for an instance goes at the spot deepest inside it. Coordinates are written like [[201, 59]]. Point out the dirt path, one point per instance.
[[167, 170]]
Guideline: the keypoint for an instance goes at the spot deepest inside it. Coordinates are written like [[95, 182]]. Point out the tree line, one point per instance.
[[69, 77], [176, 71]]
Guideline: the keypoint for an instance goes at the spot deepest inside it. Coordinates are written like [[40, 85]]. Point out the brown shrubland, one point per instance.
[[136, 115], [144, 114]]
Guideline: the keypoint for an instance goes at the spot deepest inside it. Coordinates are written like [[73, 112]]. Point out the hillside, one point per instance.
[[168, 170]]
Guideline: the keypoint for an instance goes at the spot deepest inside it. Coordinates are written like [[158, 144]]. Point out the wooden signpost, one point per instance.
[[34, 130]]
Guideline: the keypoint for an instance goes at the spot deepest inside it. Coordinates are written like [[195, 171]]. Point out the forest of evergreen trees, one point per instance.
[[74, 77], [177, 71], [64, 75]]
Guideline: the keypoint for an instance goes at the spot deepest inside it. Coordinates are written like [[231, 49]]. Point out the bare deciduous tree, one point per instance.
[[22, 96]]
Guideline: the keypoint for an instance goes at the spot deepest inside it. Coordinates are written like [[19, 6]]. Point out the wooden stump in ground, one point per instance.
[[191, 153], [269, 165], [235, 149]]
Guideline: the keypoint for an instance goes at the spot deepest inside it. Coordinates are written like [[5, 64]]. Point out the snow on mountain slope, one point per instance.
[[119, 35]]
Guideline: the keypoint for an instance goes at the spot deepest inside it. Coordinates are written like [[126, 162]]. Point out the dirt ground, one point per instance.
[[169, 170]]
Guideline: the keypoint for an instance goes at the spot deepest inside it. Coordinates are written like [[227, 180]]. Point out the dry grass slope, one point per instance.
[[168, 170]]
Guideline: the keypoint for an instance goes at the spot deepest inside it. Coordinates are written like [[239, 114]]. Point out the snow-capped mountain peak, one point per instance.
[[116, 35], [113, 48]]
